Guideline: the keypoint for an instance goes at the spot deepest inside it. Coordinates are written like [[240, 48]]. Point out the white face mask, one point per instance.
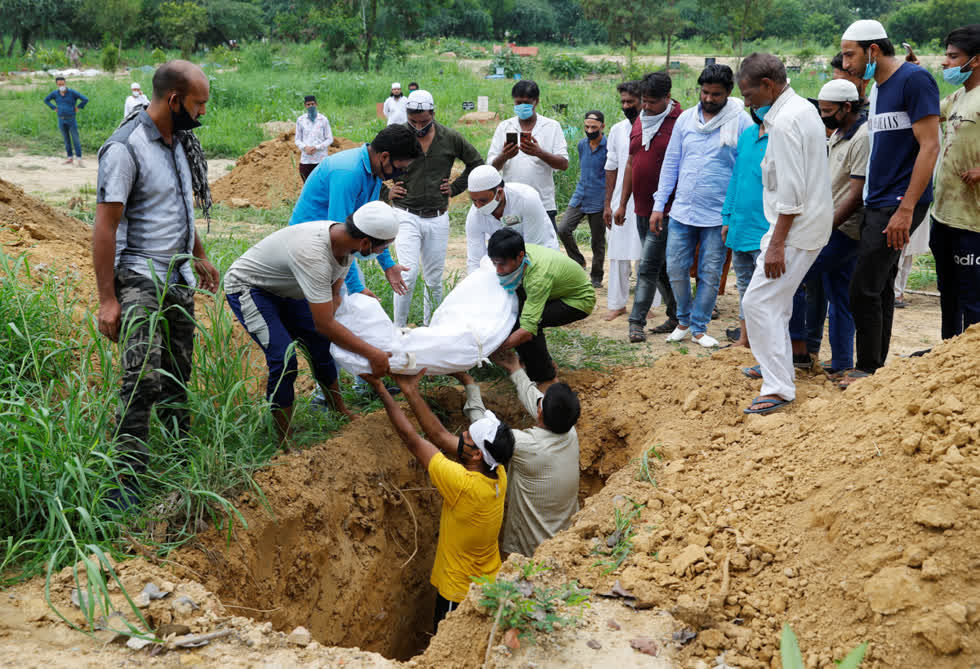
[[489, 207], [63, 89]]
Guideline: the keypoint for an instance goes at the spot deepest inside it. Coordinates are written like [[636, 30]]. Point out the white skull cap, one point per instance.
[[484, 177], [134, 86], [420, 101], [377, 219], [395, 84], [864, 30], [838, 90]]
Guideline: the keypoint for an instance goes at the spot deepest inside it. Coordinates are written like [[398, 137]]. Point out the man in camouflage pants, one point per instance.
[[144, 247]]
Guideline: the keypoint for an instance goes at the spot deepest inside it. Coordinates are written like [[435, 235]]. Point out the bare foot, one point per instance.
[[612, 315], [741, 342]]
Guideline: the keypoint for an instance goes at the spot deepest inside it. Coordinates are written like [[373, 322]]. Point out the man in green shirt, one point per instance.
[[421, 200], [552, 290]]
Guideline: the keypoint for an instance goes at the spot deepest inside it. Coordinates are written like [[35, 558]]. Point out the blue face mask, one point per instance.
[[956, 76], [360, 256], [311, 112], [760, 112], [869, 71], [524, 111], [510, 282]]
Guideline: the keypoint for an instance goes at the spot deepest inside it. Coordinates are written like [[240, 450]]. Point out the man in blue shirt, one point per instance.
[[589, 196], [66, 102], [696, 170], [904, 127], [349, 179], [743, 219]]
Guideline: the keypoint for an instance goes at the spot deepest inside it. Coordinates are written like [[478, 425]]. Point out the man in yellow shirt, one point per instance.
[[472, 489]]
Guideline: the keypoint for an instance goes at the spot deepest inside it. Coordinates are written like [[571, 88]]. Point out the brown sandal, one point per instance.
[[637, 335]]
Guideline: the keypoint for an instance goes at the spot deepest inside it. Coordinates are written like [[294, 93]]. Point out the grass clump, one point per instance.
[[643, 474], [792, 658], [521, 604], [619, 544]]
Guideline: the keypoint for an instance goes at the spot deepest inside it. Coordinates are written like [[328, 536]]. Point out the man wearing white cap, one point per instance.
[[903, 123], [394, 107], [287, 288], [473, 489], [421, 200], [136, 98], [798, 204], [498, 205]]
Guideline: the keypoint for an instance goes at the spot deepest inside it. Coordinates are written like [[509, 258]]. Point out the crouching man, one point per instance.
[[287, 288], [472, 488], [552, 290], [542, 477]]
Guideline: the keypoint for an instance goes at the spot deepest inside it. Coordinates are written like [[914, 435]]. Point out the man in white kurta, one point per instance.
[[543, 473], [624, 246], [799, 206]]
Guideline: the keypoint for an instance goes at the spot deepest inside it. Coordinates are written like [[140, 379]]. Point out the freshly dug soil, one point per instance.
[[268, 175], [852, 516], [52, 241]]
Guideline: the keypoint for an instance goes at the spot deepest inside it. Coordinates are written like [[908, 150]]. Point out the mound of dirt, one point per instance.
[[268, 175], [49, 238], [853, 517]]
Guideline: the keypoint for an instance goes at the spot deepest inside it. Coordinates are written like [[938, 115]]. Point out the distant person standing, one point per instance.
[[67, 101], [421, 201], [394, 107], [955, 239], [528, 148], [73, 55], [624, 242], [313, 137], [904, 127], [146, 251], [798, 204], [134, 99], [588, 198], [412, 87]]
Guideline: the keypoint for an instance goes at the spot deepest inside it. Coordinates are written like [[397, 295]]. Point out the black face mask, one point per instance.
[[593, 135], [832, 122], [758, 121], [422, 132], [182, 120], [394, 174], [631, 113], [459, 449]]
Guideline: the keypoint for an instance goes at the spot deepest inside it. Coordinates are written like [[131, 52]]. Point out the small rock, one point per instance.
[[184, 605], [79, 598], [645, 645], [893, 589], [300, 637], [175, 629], [593, 644], [739, 562], [511, 640], [136, 643], [688, 558], [956, 611], [141, 600], [935, 514], [914, 555], [941, 632], [789, 572], [778, 604], [238, 203], [153, 592], [613, 625], [712, 638], [931, 571]]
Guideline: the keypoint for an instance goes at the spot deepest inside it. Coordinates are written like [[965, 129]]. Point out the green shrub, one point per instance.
[[110, 57], [522, 65], [566, 66], [158, 56]]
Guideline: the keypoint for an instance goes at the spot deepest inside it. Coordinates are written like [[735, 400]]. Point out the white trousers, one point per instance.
[[905, 264], [768, 305], [619, 283], [421, 243]]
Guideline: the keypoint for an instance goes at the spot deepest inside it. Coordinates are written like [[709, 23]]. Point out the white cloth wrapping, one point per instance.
[[651, 123], [727, 118], [470, 324]]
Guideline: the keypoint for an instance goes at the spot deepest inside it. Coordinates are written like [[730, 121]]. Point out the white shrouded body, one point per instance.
[[469, 325]]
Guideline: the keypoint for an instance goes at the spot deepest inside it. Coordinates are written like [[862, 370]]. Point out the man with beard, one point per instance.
[[394, 107], [696, 169]]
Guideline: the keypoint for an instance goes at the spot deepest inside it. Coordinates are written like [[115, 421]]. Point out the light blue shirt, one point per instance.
[[339, 186], [743, 212], [699, 167]]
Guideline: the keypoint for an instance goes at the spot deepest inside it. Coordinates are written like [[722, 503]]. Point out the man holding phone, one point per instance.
[[527, 148]]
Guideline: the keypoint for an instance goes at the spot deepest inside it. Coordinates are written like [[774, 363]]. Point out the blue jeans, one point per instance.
[[274, 323], [826, 290], [652, 274], [695, 312], [743, 263], [69, 131]]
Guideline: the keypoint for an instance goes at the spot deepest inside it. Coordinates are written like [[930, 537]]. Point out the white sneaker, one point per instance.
[[706, 340], [679, 335]]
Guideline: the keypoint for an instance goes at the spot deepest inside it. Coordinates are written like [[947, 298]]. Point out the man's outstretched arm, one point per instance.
[[442, 438], [423, 450]]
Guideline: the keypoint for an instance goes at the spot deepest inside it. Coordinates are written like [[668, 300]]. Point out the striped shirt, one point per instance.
[[542, 475]]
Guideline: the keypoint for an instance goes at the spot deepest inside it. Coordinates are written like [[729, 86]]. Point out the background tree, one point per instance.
[[625, 22], [109, 20], [670, 22], [24, 20], [743, 18], [181, 23]]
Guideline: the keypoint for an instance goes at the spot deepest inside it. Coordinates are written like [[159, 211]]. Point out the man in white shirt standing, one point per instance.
[[135, 99], [313, 137], [395, 107], [498, 205], [625, 245], [799, 207], [527, 148]]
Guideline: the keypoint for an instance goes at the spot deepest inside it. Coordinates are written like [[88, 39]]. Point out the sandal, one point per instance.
[[849, 377], [666, 327], [753, 372], [637, 335], [777, 403], [802, 361]]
